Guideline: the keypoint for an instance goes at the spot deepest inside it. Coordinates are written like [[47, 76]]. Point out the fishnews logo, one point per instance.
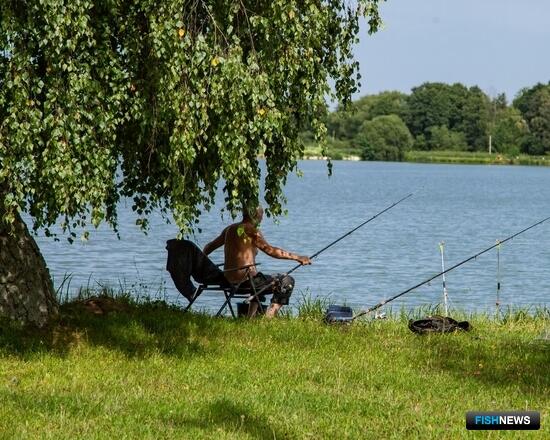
[[503, 420]]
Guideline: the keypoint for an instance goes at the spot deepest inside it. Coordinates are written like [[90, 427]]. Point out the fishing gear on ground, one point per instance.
[[473, 257], [336, 314], [345, 317], [438, 324]]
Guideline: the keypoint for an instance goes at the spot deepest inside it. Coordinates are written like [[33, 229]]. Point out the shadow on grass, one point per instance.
[[222, 414], [234, 418], [502, 360], [136, 330]]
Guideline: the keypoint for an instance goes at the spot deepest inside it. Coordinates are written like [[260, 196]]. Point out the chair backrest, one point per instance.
[[186, 260]]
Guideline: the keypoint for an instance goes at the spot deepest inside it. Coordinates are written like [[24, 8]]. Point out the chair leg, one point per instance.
[[228, 297], [231, 307], [188, 306], [227, 303], [195, 296]]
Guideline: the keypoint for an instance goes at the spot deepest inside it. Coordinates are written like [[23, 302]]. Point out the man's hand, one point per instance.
[[303, 260]]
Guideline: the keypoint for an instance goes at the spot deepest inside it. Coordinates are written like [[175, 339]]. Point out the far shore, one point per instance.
[[445, 157]]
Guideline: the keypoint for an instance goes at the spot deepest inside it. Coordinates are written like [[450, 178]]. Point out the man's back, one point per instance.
[[239, 250], [241, 242]]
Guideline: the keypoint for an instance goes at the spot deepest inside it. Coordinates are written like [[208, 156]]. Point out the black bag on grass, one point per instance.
[[438, 324]]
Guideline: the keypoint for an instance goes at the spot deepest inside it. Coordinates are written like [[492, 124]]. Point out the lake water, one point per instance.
[[467, 207]]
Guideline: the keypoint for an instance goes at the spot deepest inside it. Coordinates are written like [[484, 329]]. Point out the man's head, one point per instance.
[[255, 215]]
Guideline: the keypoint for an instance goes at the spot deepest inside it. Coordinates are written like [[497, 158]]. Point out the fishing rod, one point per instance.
[[351, 232], [497, 309], [445, 293], [380, 304], [252, 297]]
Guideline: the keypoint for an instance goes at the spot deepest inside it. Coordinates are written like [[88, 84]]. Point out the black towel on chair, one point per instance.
[[186, 260]]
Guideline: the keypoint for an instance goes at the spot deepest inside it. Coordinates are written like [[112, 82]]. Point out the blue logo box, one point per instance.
[[503, 420]]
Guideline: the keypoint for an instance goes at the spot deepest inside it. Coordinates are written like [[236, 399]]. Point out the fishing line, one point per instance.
[[252, 297], [352, 231], [380, 304], [498, 280]]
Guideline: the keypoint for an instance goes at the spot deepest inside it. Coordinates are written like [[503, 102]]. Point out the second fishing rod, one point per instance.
[[444, 271], [316, 254]]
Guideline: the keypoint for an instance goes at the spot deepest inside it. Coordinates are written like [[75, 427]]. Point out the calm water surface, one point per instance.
[[467, 207]]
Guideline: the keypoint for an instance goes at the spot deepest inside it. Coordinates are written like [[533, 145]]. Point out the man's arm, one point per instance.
[[275, 252], [215, 244]]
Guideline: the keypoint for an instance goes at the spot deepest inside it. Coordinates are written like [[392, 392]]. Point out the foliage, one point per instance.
[[384, 138], [451, 117], [510, 131], [148, 371], [452, 106], [442, 138], [387, 103], [474, 118], [345, 123], [62, 89], [534, 105], [175, 94], [432, 105]]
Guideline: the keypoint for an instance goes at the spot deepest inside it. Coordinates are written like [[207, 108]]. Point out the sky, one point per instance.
[[499, 45]]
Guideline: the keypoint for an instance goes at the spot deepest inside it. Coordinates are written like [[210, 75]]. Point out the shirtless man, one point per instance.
[[241, 242]]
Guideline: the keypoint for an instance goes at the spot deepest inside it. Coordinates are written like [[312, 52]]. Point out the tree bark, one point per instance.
[[26, 289]]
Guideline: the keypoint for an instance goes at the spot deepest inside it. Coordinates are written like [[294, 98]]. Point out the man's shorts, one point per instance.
[[280, 286]]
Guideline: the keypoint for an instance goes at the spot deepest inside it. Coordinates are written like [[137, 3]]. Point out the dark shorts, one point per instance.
[[279, 285]]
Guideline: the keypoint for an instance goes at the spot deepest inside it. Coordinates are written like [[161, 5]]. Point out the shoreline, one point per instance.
[[448, 157]]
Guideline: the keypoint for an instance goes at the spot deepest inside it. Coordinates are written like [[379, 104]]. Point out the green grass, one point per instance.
[[149, 371], [339, 150]]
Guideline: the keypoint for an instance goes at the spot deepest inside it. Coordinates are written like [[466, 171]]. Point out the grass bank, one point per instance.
[[148, 371], [338, 150], [466, 157]]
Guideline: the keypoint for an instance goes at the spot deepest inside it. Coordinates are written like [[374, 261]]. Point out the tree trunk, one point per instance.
[[26, 289]]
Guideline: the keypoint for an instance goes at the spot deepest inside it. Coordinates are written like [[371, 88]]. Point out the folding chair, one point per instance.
[[229, 290], [184, 255]]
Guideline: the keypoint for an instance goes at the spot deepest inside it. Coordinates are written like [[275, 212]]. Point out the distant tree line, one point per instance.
[[438, 116]]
